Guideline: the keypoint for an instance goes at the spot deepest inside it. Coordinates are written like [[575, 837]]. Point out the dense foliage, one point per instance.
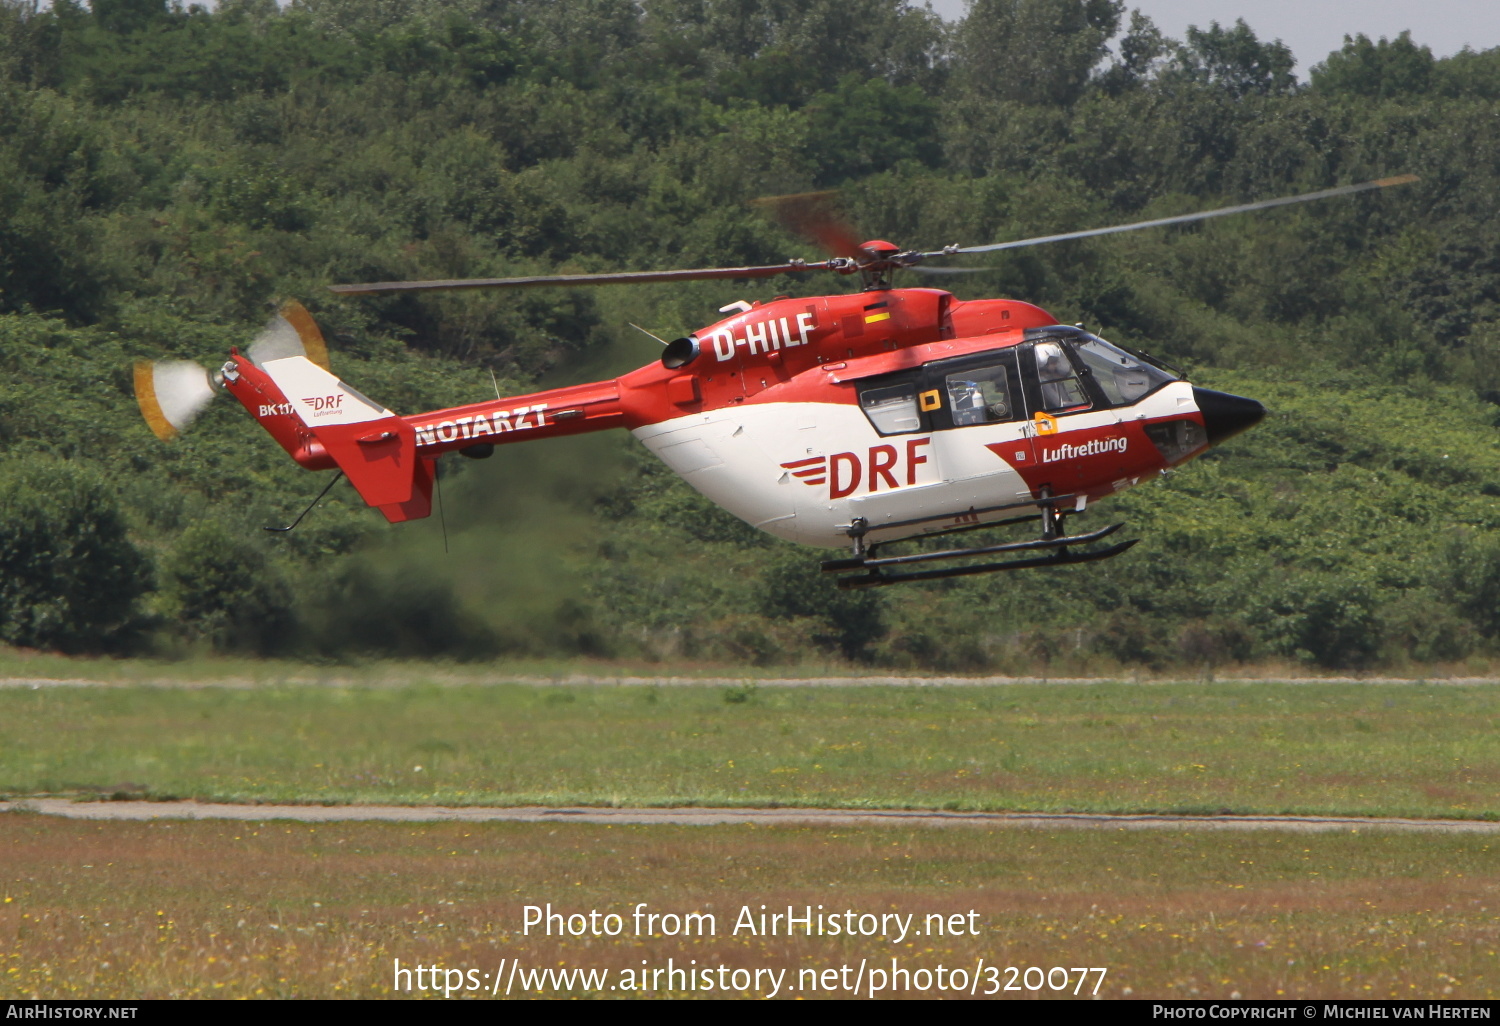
[[165, 173], [69, 575]]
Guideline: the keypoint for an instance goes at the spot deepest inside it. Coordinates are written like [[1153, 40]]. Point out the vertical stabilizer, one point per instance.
[[375, 449]]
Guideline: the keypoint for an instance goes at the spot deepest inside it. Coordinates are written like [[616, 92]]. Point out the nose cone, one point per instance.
[[1225, 415]]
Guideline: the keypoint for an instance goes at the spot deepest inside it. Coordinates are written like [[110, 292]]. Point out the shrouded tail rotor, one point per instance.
[[172, 393]]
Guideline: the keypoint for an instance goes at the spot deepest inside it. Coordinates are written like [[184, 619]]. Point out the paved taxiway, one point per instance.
[[145, 810]]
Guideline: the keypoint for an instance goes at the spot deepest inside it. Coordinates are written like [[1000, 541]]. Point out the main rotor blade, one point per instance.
[[1202, 215], [815, 216], [926, 269], [622, 278]]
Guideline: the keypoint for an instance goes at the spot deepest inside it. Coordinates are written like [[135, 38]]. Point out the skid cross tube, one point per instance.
[[861, 527], [863, 552], [1061, 557], [1060, 541]]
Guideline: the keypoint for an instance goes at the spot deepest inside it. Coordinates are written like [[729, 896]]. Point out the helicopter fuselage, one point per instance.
[[901, 411], [856, 418]]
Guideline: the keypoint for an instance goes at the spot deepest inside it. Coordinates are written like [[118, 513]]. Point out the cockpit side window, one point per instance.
[[980, 395], [1123, 378], [1061, 389], [892, 409]]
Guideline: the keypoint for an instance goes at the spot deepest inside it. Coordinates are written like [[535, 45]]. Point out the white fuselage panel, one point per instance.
[[804, 471]]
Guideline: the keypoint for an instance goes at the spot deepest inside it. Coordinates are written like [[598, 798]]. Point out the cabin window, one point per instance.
[[1061, 389], [893, 409], [1121, 377], [980, 395]]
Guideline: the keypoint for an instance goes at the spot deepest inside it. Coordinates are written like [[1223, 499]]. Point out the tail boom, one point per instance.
[[574, 410], [264, 401], [390, 460]]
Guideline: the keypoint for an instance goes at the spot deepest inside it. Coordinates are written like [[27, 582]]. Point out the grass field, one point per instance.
[[275, 909], [1411, 750], [172, 909]]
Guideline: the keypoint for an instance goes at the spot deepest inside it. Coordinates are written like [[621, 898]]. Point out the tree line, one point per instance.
[[166, 173]]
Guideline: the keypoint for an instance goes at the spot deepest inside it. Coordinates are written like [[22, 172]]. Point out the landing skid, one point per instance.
[[876, 573]]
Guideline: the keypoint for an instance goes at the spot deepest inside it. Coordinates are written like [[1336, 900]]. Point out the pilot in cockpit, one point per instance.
[[1060, 388]]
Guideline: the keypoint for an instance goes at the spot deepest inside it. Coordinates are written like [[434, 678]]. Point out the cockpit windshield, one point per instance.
[[1122, 377]]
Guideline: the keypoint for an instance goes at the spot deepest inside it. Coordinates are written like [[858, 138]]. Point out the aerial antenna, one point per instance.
[[437, 478], [643, 331]]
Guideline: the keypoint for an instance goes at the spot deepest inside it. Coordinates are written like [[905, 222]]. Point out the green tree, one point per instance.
[[1140, 51], [1470, 73], [221, 587], [784, 51], [1234, 61], [1473, 570], [1034, 51], [399, 612], [29, 38], [69, 574], [1380, 70], [794, 588], [867, 126], [126, 16], [1319, 618]]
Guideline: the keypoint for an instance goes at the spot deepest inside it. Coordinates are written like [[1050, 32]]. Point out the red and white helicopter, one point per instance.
[[841, 421]]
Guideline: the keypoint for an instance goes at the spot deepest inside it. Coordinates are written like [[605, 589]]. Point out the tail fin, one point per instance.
[[375, 449]]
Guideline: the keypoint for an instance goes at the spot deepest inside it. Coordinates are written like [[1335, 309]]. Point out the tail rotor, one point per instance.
[[172, 393], [292, 332]]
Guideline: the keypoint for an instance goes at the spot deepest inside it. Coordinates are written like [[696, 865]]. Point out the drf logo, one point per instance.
[[846, 472], [319, 403]]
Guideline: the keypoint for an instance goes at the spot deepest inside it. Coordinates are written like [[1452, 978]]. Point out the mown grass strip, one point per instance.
[[1353, 749]]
